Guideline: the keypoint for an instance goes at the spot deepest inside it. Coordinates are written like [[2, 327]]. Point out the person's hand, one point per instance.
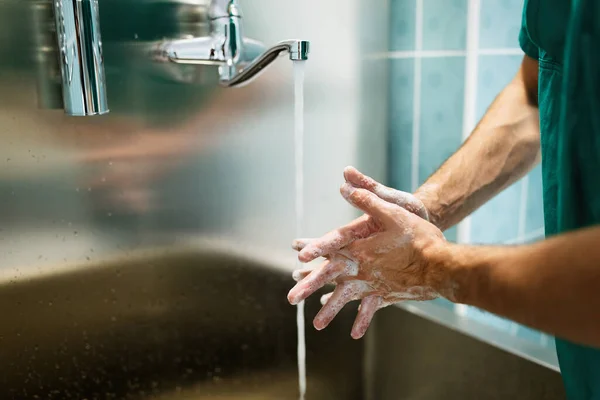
[[389, 265], [361, 227]]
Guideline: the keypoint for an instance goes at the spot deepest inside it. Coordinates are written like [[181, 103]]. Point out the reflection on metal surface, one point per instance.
[[49, 88], [175, 159], [534, 351], [239, 59], [178, 325], [81, 59]]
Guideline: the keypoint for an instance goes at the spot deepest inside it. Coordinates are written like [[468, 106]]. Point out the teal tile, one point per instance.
[[374, 29], [498, 220], [451, 234], [529, 335], [534, 220], [442, 98], [495, 72], [447, 304], [402, 25], [444, 24], [489, 319], [401, 123], [500, 22]]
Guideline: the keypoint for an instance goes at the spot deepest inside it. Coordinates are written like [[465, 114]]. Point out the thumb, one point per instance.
[[368, 202], [360, 180]]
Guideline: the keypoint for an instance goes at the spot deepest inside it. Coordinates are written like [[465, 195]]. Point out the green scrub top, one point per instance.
[[564, 36]]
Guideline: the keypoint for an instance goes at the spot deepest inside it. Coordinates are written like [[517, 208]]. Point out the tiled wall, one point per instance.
[[433, 57]]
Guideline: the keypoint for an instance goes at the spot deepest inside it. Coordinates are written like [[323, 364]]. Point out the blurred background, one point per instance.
[[145, 253]]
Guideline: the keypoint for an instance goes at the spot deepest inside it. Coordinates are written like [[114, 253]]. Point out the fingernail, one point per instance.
[[347, 190], [305, 255], [318, 324], [356, 335], [293, 298]]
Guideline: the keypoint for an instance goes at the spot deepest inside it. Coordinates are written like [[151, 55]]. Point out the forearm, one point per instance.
[[502, 149], [553, 285]]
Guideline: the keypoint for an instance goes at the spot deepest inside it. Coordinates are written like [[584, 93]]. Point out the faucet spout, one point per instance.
[[239, 59], [297, 50]]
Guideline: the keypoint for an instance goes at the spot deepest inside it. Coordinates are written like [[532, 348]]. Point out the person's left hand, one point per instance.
[[389, 266]]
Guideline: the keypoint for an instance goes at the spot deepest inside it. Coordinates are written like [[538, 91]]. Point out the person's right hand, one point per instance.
[[363, 227]]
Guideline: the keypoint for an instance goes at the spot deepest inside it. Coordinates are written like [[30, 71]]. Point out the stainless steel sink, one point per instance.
[[169, 325]]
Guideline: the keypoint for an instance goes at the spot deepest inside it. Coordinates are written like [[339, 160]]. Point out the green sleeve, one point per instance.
[[524, 41]]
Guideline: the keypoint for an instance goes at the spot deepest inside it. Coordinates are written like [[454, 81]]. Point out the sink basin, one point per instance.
[[173, 325]]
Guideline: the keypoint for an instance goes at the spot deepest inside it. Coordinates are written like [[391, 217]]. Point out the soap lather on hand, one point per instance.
[[379, 258]]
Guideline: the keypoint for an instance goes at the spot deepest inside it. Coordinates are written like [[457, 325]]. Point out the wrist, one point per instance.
[[427, 195], [454, 271]]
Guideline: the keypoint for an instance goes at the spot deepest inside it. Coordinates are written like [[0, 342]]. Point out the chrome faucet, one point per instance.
[[239, 59], [81, 59]]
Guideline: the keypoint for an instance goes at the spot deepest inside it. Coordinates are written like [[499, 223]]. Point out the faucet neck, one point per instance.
[[224, 9]]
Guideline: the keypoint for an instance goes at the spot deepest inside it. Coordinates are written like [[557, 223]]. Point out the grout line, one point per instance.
[[523, 207], [442, 53], [470, 99], [417, 97]]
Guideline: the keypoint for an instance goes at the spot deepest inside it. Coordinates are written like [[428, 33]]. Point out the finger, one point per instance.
[[302, 273], [299, 244], [337, 239], [398, 197], [368, 202], [360, 180], [368, 307], [350, 270], [325, 298], [342, 295], [315, 280]]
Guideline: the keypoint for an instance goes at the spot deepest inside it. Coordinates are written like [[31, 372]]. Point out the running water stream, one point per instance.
[[299, 206]]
